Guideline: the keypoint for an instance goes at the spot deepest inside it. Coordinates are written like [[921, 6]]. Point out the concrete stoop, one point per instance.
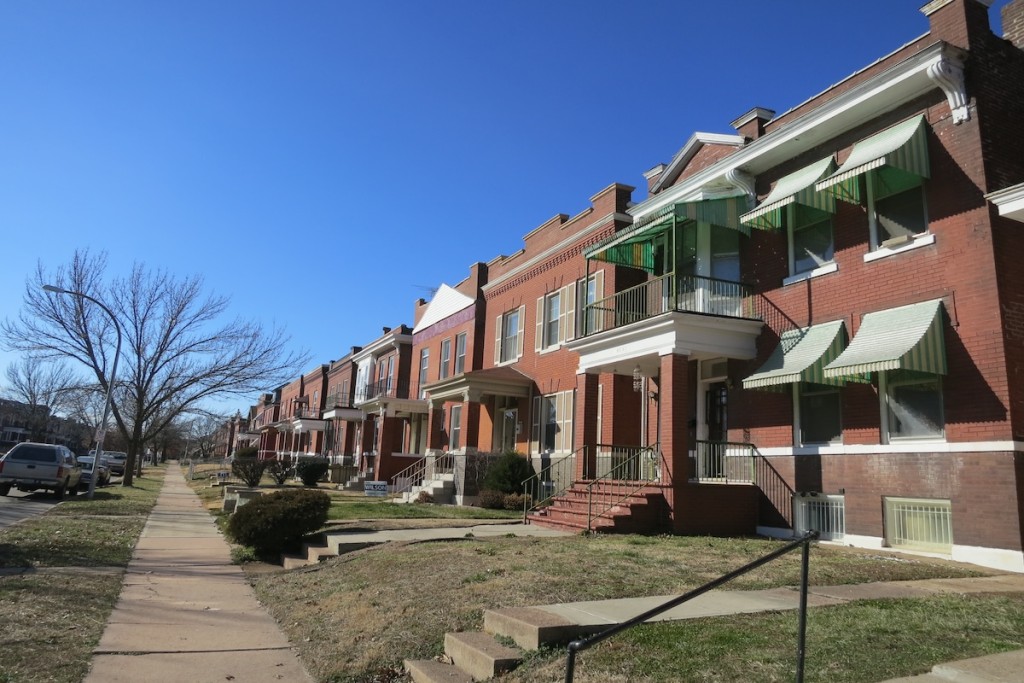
[[478, 656], [442, 490]]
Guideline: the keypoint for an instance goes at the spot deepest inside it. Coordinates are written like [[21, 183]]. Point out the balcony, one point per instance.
[[389, 393], [341, 406], [700, 317]]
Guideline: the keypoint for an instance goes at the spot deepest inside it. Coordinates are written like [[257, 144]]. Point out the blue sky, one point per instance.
[[322, 163]]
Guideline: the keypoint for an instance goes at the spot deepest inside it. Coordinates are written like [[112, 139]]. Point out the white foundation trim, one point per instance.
[[899, 447]]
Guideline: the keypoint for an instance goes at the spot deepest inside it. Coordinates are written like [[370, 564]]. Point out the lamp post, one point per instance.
[[102, 432]]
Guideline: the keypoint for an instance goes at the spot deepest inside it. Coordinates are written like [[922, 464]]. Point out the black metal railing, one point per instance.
[[385, 388], [803, 542], [338, 400], [671, 292]]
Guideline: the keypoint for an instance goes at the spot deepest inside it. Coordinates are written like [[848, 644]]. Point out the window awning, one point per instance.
[[633, 246], [801, 356], [797, 187], [904, 338], [900, 153]]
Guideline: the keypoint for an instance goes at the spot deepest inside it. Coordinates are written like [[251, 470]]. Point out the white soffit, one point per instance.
[[1009, 201], [446, 302]]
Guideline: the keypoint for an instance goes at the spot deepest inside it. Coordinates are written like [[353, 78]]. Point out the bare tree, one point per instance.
[[43, 387], [177, 353]]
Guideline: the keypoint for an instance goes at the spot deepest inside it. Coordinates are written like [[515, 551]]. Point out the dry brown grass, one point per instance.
[[355, 615]]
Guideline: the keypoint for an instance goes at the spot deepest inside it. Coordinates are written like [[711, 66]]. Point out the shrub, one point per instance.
[[492, 500], [279, 472], [247, 452], [515, 501], [311, 470], [277, 522], [507, 473], [249, 470], [425, 497]]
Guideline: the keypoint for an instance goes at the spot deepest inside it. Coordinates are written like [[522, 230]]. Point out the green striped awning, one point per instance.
[[797, 187], [634, 246], [904, 338], [899, 153], [801, 356]]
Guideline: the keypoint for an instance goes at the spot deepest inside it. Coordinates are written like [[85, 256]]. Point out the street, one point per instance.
[[16, 505]]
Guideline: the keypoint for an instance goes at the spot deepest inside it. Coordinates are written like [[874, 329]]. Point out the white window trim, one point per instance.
[[808, 274], [798, 441], [883, 400], [922, 240], [823, 269], [500, 336], [874, 245]]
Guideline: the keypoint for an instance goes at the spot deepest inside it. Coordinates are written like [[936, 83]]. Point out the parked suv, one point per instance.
[[32, 466]]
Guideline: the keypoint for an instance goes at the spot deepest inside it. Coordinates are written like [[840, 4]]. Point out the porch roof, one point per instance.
[[801, 356], [899, 152], [473, 385], [904, 338], [797, 187], [634, 246]]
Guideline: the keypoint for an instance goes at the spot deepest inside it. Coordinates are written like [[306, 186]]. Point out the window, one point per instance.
[[818, 414], [460, 353], [508, 342], [810, 238], [446, 354], [896, 212], [424, 365], [913, 405], [552, 422], [391, 373], [918, 524], [455, 429], [821, 513], [591, 290], [556, 318]]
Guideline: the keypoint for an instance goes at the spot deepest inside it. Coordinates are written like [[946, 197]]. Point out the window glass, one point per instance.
[[455, 429], [446, 352], [552, 304], [509, 333], [812, 245], [915, 406], [725, 254], [820, 414], [550, 422], [460, 353], [901, 215], [424, 364]]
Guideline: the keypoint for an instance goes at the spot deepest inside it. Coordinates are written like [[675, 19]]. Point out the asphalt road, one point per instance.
[[16, 505]]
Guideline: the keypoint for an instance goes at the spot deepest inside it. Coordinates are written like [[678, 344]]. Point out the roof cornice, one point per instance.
[[690, 149], [901, 83]]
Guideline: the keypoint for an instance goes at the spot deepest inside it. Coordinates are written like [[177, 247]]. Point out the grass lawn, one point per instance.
[[54, 613], [357, 616]]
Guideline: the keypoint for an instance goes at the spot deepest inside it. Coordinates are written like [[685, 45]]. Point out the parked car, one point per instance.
[[33, 466], [115, 461], [103, 473]]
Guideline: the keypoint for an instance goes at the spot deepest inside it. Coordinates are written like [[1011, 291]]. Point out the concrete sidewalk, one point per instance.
[[185, 612]]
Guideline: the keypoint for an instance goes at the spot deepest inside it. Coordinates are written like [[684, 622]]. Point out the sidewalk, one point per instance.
[[185, 612]]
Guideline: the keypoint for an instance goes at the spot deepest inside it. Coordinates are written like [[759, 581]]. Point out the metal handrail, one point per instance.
[[424, 469], [536, 482], [804, 542], [725, 462], [618, 475]]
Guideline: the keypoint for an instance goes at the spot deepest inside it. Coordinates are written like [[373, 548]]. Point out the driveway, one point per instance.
[[17, 506]]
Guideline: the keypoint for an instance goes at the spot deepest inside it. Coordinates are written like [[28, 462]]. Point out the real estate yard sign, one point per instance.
[[375, 488]]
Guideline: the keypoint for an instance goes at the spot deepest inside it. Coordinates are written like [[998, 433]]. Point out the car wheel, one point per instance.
[[72, 490], [58, 492], [5, 489]]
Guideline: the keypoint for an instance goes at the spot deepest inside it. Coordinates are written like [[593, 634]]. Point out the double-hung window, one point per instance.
[[424, 366], [811, 243], [446, 354], [913, 405], [818, 414], [896, 213], [553, 422], [556, 318], [455, 428], [591, 290], [508, 341], [460, 353]]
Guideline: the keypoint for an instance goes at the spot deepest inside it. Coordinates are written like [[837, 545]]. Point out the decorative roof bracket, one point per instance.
[[742, 180], [948, 74]]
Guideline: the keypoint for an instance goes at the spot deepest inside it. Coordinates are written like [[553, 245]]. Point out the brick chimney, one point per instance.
[[652, 176], [958, 22], [1013, 23], [751, 125]]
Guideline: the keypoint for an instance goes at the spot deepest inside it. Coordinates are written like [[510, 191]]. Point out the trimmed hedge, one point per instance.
[[311, 470], [249, 470], [277, 522], [507, 473]]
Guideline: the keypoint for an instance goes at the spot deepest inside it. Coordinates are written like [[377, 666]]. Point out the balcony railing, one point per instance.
[[724, 462], [681, 293], [385, 388], [338, 401]]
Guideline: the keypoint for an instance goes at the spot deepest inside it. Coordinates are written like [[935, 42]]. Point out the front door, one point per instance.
[[509, 420], [711, 460]]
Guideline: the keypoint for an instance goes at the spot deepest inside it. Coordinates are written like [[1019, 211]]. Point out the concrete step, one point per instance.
[[433, 671], [531, 627], [311, 553], [479, 654]]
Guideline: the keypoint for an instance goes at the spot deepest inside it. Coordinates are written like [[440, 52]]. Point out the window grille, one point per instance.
[[919, 524], [821, 513]]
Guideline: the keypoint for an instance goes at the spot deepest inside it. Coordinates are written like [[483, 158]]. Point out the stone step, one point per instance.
[[433, 671], [311, 553], [479, 654], [532, 628]]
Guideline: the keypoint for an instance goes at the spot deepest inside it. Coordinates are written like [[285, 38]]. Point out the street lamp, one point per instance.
[[102, 432]]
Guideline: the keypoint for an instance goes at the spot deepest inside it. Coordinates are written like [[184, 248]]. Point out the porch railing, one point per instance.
[[630, 469], [724, 462], [683, 293], [427, 468], [624, 461], [385, 388], [551, 482], [804, 543]]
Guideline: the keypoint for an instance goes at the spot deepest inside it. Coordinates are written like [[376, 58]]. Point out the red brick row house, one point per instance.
[[814, 322]]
